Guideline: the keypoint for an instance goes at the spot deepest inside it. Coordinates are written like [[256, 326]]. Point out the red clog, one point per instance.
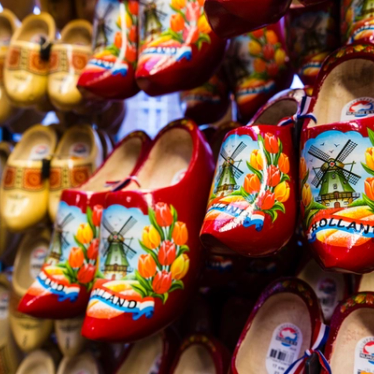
[[110, 73], [62, 288], [201, 354], [349, 348], [229, 18], [252, 206], [153, 355], [286, 322], [150, 250], [179, 51], [337, 162], [257, 66], [313, 33]]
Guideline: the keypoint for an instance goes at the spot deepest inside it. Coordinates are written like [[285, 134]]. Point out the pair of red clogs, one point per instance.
[[126, 242]]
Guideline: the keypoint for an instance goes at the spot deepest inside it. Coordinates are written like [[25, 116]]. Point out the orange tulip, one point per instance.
[[369, 188], [178, 4], [180, 233], [266, 200], [251, 183], [284, 163], [84, 233], [302, 168], [271, 37], [180, 267], [282, 192], [369, 156], [257, 160], [176, 22], [118, 39], [167, 253], [162, 282], [97, 214], [271, 143], [76, 257], [146, 266], [306, 195], [86, 273], [151, 238], [273, 176], [259, 65], [163, 214]]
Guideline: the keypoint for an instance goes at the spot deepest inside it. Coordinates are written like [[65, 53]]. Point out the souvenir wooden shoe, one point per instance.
[[336, 167], [110, 73], [24, 188], [37, 362], [78, 154], [62, 11], [349, 346], [69, 337], [252, 204], [62, 288], [285, 322], [150, 250], [236, 17], [83, 363], [330, 288], [69, 56], [176, 42], [27, 63], [257, 66], [153, 354], [313, 35], [29, 333], [201, 354]]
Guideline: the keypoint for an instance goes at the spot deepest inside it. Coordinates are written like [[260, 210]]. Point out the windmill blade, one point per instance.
[[346, 151], [66, 220], [64, 241], [108, 9], [238, 150], [236, 171], [220, 174], [129, 224], [317, 153], [348, 175], [224, 154], [130, 253], [108, 227], [318, 178]]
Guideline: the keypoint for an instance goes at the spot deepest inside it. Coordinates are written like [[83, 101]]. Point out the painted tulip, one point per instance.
[[191, 34], [369, 188], [259, 65], [266, 200], [201, 2], [151, 238], [251, 183], [369, 156], [280, 57], [118, 39], [284, 163], [180, 267], [163, 214], [258, 33], [76, 257], [256, 160], [133, 34], [178, 4], [162, 282], [93, 249], [176, 22], [302, 168], [282, 192], [146, 266], [180, 233], [271, 143], [268, 51], [131, 53], [167, 253], [272, 69], [254, 47], [97, 214], [128, 20], [133, 7], [86, 273], [306, 195], [84, 233], [273, 176], [203, 25], [271, 37], [193, 11]]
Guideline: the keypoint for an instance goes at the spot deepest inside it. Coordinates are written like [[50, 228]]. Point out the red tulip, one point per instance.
[[272, 70], [97, 214], [193, 11], [162, 282], [273, 176], [131, 53], [146, 266], [268, 52], [133, 7], [86, 273], [271, 143], [266, 200], [93, 249], [251, 183], [133, 34], [163, 214], [167, 253], [76, 257]]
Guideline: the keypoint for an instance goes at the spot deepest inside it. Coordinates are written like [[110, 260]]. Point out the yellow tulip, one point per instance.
[[256, 160], [178, 4], [84, 233], [306, 195], [203, 25], [254, 48], [280, 57], [151, 238], [180, 266], [282, 192], [369, 156]]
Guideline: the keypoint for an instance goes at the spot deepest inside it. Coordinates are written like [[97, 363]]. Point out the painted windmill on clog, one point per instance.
[[152, 24], [118, 251], [229, 172], [102, 29], [335, 181]]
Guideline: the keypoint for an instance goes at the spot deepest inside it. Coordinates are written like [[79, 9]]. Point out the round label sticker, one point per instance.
[[364, 356], [37, 258], [362, 107], [4, 304], [327, 293], [284, 348], [79, 150], [40, 151]]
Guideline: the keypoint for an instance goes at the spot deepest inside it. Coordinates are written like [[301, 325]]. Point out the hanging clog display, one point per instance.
[[178, 49]]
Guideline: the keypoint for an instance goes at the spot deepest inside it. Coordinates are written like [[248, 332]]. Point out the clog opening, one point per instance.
[[38, 362], [77, 142], [351, 80], [119, 166], [33, 30], [350, 341], [167, 162], [144, 356], [195, 360], [77, 35], [366, 283], [284, 311], [5, 30], [84, 363], [276, 112]]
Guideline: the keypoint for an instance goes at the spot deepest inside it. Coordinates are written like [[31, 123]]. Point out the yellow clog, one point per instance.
[[38, 362]]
